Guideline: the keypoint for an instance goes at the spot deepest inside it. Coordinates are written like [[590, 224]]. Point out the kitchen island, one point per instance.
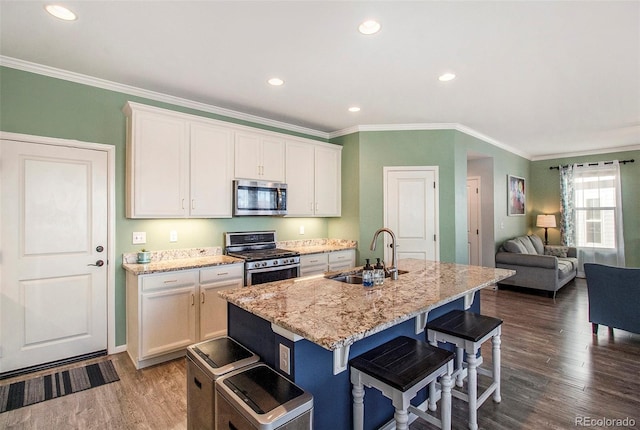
[[311, 327]]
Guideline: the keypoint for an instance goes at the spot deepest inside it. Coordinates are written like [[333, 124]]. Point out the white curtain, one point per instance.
[[596, 214]]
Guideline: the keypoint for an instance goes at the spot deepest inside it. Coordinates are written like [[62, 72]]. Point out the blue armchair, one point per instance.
[[614, 297]]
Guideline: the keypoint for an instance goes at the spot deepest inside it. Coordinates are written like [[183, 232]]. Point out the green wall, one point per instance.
[[366, 153], [38, 105], [546, 196]]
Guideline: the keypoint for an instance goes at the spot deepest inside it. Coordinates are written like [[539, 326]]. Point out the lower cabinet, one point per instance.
[[314, 264], [342, 260], [166, 312], [317, 264]]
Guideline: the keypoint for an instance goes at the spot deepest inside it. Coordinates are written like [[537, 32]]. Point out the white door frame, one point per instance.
[[435, 169], [111, 218], [479, 220]]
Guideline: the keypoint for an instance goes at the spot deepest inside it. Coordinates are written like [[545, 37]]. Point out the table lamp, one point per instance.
[[546, 221]]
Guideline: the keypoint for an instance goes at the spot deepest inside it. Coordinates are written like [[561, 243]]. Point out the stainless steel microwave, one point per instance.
[[259, 198]]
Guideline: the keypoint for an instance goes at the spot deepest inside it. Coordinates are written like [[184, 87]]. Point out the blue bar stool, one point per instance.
[[399, 369], [468, 331]]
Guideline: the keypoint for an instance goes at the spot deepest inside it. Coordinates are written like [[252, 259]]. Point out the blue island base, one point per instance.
[[312, 366]]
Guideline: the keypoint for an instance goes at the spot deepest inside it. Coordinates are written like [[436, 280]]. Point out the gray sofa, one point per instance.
[[537, 266]]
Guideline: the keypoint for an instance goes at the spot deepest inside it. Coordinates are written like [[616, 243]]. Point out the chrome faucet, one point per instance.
[[394, 258]]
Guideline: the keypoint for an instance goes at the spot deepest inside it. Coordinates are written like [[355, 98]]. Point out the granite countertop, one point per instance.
[[334, 314], [179, 264], [318, 246]]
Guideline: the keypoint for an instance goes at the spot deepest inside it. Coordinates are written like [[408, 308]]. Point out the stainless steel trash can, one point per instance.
[[206, 362], [259, 398]]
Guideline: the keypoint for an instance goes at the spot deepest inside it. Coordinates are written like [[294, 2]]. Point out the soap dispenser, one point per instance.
[[367, 275], [378, 273]]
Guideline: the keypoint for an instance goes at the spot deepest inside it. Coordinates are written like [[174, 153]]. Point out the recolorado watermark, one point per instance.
[[604, 422]]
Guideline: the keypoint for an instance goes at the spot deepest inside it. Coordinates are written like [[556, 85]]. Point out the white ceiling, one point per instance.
[[542, 78]]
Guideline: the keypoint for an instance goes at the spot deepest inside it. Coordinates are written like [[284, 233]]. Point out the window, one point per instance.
[[595, 208]]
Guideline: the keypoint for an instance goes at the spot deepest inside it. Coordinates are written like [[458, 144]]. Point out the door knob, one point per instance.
[[99, 263], [99, 248]]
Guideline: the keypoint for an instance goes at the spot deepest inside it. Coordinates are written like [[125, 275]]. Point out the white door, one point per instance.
[[411, 211], [473, 220], [53, 301]]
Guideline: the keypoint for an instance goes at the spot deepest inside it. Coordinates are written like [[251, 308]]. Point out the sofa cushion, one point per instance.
[[526, 242], [514, 246], [572, 260], [565, 268], [537, 244], [556, 251]]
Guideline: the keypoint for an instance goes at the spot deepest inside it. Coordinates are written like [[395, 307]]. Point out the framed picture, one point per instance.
[[516, 197]]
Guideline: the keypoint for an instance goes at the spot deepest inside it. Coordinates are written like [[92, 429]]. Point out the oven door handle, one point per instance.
[[273, 268]]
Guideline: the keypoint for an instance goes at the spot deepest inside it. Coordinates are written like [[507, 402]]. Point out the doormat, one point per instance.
[[46, 387]]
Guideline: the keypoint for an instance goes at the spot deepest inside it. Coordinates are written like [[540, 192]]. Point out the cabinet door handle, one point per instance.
[[193, 203], [316, 206], [202, 297], [171, 281], [193, 299], [182, 203]]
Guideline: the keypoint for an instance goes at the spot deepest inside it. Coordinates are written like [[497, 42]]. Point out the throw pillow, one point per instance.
[[556, 251]]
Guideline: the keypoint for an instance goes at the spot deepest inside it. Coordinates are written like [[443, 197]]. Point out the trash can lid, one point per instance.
[[221, 352]]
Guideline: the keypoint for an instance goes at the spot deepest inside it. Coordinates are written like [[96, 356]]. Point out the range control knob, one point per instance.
[[264, 264], [275, 262]]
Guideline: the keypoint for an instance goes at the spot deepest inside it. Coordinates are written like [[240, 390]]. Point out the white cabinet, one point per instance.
[[314, 264], [213, 309], [313, 175], [342, 260], [259, 157], [176, 168], [166, 312], [211, 174]]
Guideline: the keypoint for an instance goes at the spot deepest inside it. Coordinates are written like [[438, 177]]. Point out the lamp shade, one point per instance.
[[546, 221]]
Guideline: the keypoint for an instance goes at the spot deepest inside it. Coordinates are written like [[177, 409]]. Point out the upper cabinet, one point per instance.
[[259, 157], [176, 168], [313, 176], [182, 166]]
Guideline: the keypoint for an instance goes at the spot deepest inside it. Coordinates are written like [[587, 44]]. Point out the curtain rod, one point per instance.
[[593, 164]]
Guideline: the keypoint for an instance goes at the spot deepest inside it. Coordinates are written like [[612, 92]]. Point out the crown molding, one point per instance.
[[430, 126], [79, 78], [66, 75], [583, 153]]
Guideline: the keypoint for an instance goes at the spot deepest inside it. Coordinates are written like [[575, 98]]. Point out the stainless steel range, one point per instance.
[[264, 262]]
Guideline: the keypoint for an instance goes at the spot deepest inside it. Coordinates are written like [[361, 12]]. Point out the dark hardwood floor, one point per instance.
[[553, 373]]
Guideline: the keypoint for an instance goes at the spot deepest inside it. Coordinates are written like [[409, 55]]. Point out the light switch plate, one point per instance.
[[139, 237], [173, 236]]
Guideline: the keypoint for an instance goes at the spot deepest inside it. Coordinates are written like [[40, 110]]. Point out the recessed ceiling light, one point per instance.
[[447, 77], [276, 82], [369, 27], [354, 109], [60, 12]]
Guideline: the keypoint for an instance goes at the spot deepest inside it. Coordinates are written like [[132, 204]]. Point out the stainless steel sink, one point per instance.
[[356, 278]]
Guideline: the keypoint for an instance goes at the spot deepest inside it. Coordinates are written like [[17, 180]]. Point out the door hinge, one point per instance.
[[477, 231], [434, 185], [477, 191], [434, 238]]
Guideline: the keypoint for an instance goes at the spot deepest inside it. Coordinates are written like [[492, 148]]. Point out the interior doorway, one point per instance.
[[411, 211]]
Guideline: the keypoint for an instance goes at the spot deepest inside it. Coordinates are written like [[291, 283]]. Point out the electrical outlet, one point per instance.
[[173, 236], [285, 359], [301, 229], [139, 237]]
